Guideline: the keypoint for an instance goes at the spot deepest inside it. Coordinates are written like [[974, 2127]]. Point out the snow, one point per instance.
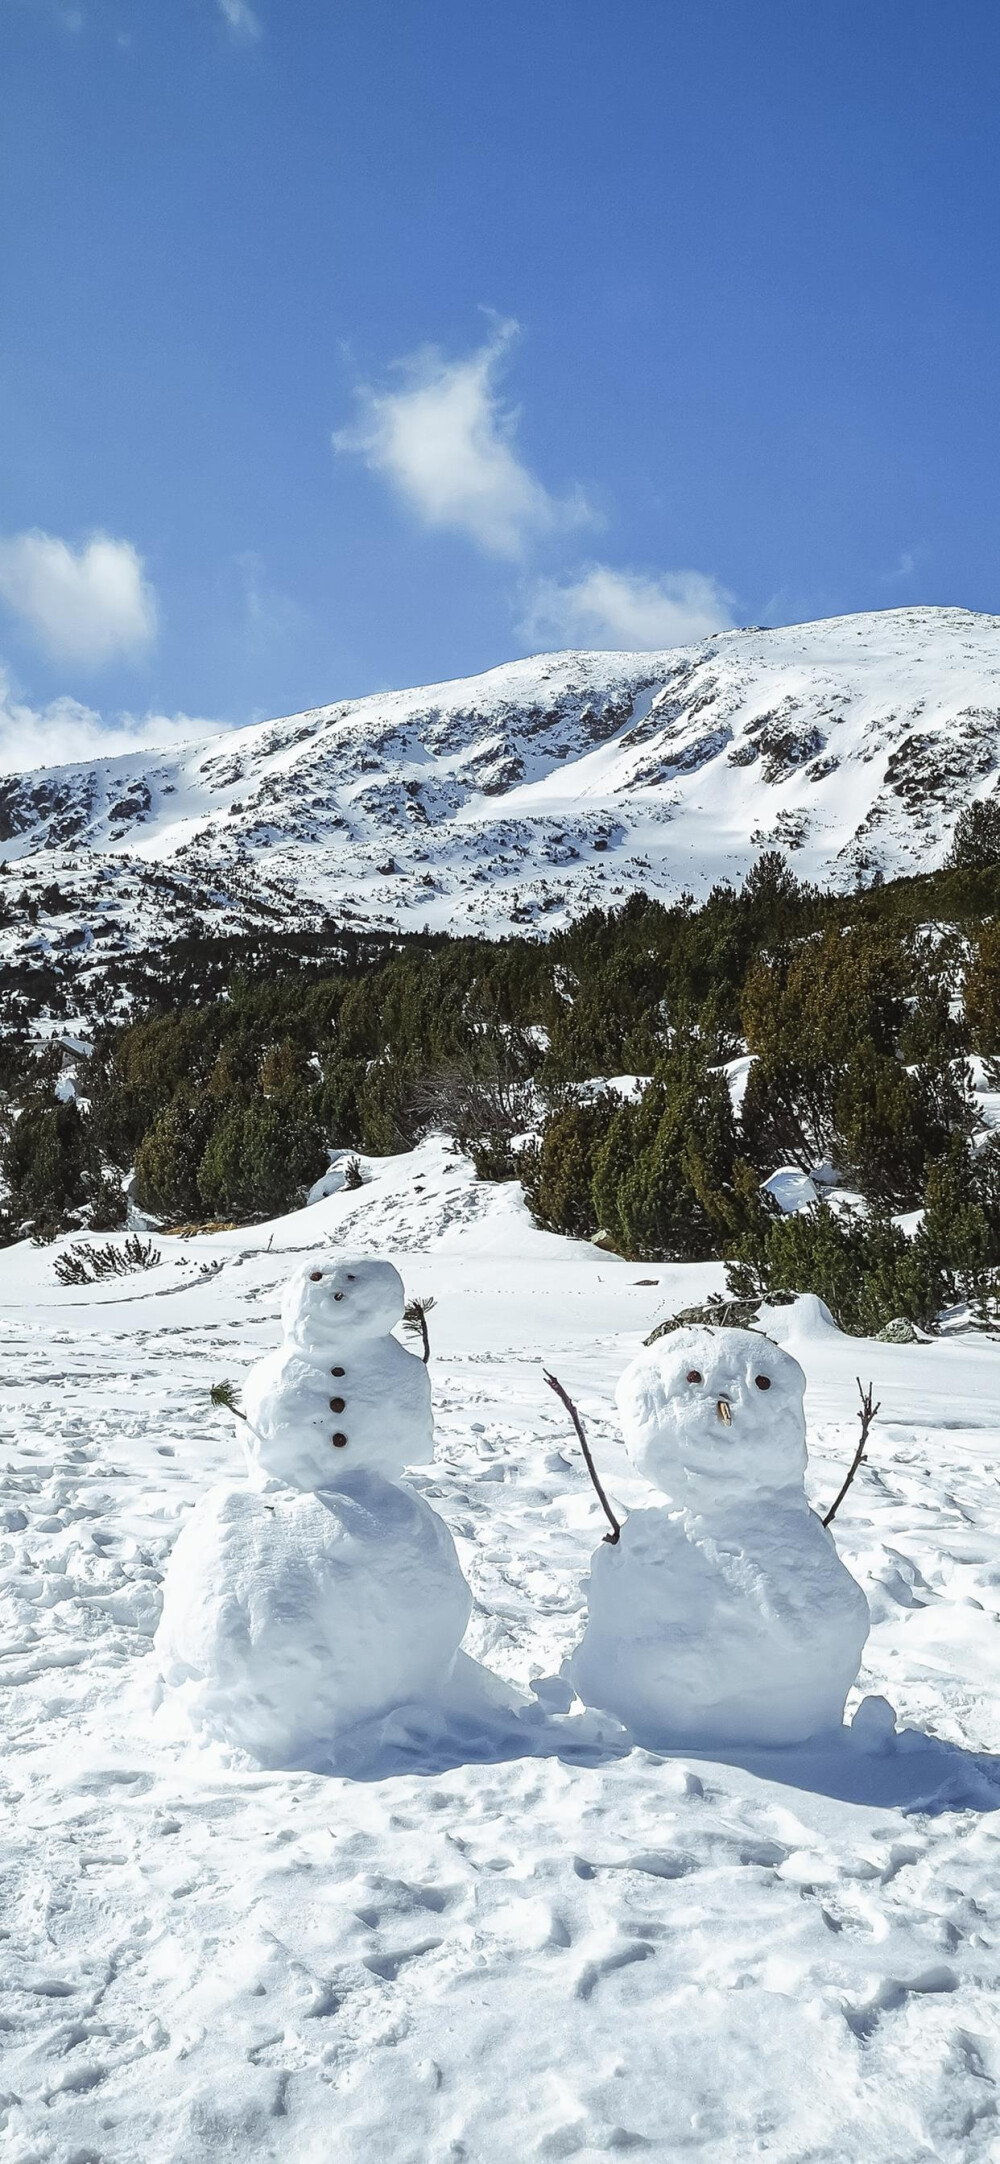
[[737, 1074], [334, 1179], [791, 1189], [519, 798], [291, 1617], [496, 1952], [727, 1618]]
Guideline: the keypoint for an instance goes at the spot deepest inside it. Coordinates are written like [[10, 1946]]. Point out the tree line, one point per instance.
[[860, 1012]]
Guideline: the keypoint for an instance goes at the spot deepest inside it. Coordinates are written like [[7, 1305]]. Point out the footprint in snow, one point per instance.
[[620, 1957]]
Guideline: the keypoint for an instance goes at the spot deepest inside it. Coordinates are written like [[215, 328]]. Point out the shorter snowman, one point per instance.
[[724, 1616], [321, 1595]]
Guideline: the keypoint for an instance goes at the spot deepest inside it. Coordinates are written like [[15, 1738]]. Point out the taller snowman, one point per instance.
[[322, 1594]]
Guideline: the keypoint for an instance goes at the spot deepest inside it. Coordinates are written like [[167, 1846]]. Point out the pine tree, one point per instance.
[[975, 842], [663, 1174], [168, 1158], [558, 1175], [889, 1124]]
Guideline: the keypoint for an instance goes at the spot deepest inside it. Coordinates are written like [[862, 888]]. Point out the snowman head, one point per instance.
[[714, 1417], [329, 1299]]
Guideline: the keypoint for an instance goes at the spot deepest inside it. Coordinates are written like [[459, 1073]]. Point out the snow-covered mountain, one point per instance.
[[522, 796]]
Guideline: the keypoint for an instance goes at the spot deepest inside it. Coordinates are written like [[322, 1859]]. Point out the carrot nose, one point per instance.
[[724, 1412]]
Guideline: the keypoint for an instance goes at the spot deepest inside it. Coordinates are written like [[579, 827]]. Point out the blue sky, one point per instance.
[[349, 343]]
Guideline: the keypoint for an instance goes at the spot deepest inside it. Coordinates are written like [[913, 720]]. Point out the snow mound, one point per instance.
[[288, 1618]]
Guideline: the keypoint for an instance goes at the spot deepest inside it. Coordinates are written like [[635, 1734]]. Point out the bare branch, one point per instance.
[[866, 1416], [555, 1384]]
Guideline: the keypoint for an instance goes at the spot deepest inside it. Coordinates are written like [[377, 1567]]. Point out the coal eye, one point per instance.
[[315, 1276], [763, 1382], [693, 1375]]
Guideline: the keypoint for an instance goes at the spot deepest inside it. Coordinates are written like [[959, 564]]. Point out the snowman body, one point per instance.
[[323, 1594], [722, 1616], [340, 1392]]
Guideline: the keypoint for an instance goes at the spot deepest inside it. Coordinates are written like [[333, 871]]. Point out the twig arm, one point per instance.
[[866, 1416], [555, 1384]]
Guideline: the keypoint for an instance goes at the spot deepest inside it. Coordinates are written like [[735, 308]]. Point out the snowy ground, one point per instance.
[[575, 1952]]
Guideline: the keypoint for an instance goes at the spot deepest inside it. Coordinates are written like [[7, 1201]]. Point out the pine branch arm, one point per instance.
[[415, 1318], [225, 1394]]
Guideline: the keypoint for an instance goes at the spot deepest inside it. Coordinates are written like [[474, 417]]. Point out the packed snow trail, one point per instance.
[[790, 1954]]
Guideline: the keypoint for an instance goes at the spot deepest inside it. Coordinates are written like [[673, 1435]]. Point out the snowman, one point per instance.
[[723, 1616], [322, 1594]]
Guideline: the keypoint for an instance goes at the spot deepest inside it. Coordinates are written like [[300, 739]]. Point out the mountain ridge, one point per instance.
[[517, 798]]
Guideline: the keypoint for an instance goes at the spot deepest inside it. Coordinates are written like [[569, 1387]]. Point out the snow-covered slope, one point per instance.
[[522, 796], [565, 1949]]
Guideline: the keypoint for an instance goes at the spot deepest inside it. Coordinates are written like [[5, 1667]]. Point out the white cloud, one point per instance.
[[445, 441], [67, 732], [85, 605], [625, 609], [241, 18]]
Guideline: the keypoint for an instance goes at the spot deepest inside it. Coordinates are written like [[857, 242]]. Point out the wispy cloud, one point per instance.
[[85, 605], [600, 606], [242, 20], [271, 618], [445, 442], [66, 731]]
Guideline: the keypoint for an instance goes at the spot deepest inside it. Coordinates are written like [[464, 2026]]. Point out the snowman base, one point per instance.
[[724, 1635], [290, 1618]]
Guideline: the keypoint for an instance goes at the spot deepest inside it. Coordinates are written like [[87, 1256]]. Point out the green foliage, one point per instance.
[[53, 1172], [865, 1269], [787, 1115], [890, 1123], [168, 1159], [383, 1104], [339, 1105], [558, 1174], [813, 1004], [981, 990], [664, 1174], [247, 1059], [227, 1397], [961, 1221], [975, 842], [261, 1158]]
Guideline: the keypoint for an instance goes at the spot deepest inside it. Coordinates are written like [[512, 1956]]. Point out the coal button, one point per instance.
[[337, 1405], [338, 1440], [338, 1371]]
